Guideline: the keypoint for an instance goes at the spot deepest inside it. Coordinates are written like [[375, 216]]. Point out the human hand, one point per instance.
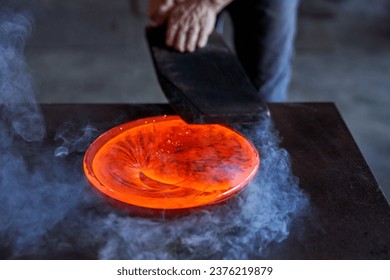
[[189, 24]]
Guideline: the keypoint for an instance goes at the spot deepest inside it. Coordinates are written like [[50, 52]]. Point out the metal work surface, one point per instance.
[[347, 216], [350, 213]]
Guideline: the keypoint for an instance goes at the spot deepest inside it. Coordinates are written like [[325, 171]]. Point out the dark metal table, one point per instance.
[[352, 209], [349, 219]]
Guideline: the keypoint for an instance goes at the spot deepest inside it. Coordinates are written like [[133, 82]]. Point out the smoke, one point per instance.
[[48, 210], [27, 208], [16, 97], [74, 139]]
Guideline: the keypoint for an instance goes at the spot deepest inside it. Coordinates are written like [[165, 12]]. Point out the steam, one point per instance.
[[26, 205], [48, 210], [16, 97], [74, 139]]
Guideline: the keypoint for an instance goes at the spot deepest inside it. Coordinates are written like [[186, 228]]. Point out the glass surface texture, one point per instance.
[[164, 163]]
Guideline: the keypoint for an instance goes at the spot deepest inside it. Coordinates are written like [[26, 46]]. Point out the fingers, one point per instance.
[[172, 33], [186, 38], [205, 32], [182, 39], [189, 26], [176, 35], [180, 42], [192, 38], [203, 37]]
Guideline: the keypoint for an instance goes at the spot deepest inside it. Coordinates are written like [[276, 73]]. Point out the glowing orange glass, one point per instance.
[[164, 163]]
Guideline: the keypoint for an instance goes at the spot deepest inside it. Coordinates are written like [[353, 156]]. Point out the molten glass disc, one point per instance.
[[164, 163]]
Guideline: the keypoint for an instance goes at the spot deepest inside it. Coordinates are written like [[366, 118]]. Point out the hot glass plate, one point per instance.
[[164, 163]]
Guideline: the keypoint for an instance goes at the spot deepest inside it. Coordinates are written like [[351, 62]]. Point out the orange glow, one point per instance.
[[164, 163]]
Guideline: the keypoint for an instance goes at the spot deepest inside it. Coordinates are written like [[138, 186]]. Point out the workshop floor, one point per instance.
[[89, 51]]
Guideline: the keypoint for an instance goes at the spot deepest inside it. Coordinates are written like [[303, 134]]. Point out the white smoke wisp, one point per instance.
[[34, 192], [17, 99], [74, 139]]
